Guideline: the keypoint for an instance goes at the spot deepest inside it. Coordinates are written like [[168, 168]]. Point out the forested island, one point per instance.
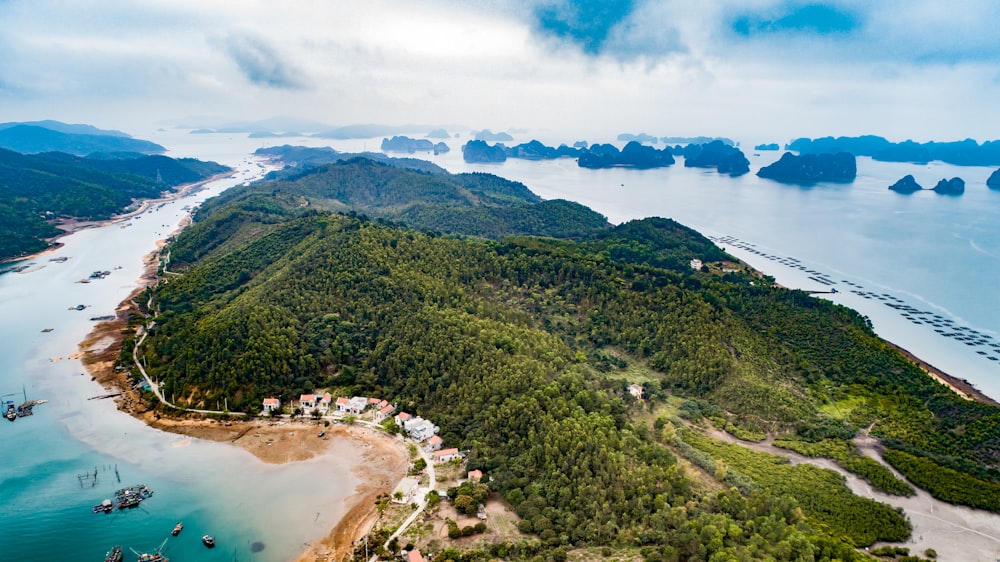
[[960, 153], [726, 158], [808, 169], [521, 348], [39, 190]]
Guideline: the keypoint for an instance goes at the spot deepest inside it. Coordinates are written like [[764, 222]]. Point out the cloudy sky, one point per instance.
[[746, 69]]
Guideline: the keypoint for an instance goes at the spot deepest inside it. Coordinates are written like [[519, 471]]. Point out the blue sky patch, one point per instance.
[[806, 19], [587, 23]]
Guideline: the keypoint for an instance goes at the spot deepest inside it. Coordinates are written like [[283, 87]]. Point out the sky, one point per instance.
[[757, 70]]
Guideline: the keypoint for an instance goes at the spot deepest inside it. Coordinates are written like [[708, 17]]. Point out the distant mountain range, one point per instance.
[[52, 136]]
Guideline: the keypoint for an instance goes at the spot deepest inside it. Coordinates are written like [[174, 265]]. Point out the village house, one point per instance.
[[406, 489], [384, 413], [445, 455], [413, 556], [272, 405], [357, 404], [343, 404], [435, 443], [307, 402], [636, 390], [402, 418], [420, 429], [696, 264], [324, 402], [475, 475]]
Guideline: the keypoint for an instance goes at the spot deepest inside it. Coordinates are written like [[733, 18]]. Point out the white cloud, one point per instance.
[[671, 67]]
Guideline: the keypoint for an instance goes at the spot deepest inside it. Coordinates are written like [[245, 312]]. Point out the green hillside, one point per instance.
[[520, 348], [41, 187]]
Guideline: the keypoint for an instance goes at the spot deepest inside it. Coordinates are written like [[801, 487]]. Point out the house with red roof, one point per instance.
[[435, 443], [272, 405], [445, 455], [307, 402], [384, 413]]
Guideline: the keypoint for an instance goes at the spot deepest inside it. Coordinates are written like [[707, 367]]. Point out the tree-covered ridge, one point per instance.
[[472, 203], [35, 188]]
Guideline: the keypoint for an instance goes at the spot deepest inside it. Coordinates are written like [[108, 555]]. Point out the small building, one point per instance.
[[475, 475], [307, 402], [384, 413], [696, 264], [324, 402], [402, 418], [357, 404], [420, 429], [445, 455], [272, 405], [413, 556], [406, 489], [342, 404], [435, 443], [636, 390]]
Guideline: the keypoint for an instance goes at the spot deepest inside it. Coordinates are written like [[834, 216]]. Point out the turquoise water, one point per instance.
[[50, 458]]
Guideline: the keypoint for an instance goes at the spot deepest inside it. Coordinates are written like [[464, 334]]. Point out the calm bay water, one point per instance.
[[936, 254]]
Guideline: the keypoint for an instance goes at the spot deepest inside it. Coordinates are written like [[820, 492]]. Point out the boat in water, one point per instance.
[[130, 497], [208, 541], [106, 506], [152, 556], [114, 555], [177, 529], [10, 412]]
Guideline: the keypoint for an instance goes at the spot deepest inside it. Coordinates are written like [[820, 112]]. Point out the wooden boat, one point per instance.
[[177, 529], [114, 555]]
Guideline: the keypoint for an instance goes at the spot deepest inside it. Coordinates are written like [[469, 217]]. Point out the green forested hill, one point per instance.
[[518, 348], [34, 188], [473, 204], [514, 347]]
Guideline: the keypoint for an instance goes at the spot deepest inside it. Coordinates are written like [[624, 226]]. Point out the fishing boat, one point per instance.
[[11, 411], [208, 541], [105, 506], [114, 555], [152, 556], [177, 529]]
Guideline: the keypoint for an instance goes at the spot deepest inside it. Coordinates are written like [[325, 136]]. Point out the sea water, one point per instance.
[[76, 451]]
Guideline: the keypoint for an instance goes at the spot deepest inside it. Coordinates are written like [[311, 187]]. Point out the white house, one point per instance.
[[384, 413], [402, 418], [272, 405], [420, 429], [696, 264], [324, 402], [357, 404], [435, 443], [307, 402], [342, 404], [445, 455], [408, 488]]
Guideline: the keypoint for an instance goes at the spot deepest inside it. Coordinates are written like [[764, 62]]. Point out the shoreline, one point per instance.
[[71, 225], [380, 464], [962, 387]]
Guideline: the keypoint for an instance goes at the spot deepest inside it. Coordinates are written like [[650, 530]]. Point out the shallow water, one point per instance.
[[74, 452]]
